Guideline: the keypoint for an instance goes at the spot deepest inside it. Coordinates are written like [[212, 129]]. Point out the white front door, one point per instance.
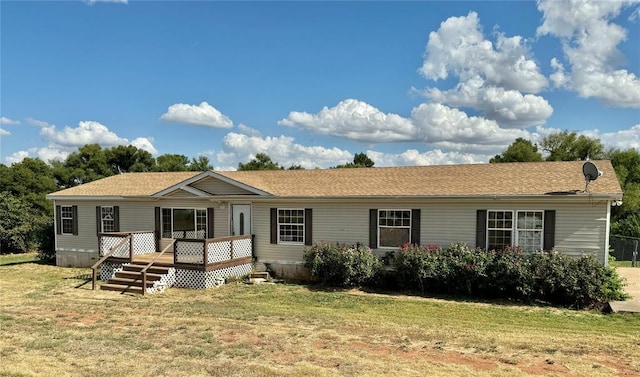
[[240, 219]]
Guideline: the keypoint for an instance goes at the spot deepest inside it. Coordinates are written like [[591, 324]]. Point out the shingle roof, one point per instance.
[[441, 180], [128, 184]]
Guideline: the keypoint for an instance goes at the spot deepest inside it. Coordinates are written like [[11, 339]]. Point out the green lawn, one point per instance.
[[53, 324]]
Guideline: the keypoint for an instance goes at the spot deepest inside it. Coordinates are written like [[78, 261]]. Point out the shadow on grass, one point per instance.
[[34, 261], [317, 287]]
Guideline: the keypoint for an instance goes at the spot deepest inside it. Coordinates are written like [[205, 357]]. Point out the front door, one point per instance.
[[240, 219]]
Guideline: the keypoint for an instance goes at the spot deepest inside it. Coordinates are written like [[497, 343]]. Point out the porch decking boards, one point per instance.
[[166, 260]]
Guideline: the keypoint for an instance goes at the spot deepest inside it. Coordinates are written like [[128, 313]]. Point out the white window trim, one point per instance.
[[514, 226], [195, 219], [102, 219], [280, 242], [394, 227], [63, 218]]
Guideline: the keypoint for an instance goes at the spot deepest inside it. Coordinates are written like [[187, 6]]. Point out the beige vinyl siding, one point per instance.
[[181, 194], [215, 186], [580, 225], [134, 216]]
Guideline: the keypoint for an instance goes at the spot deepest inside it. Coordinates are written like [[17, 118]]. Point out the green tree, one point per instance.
[[201, 163], [568, 146], [521, 150], [172, 162], [360, 160], [128, 158], [626, 218], [261, 162], [19, 224], [88, 164]]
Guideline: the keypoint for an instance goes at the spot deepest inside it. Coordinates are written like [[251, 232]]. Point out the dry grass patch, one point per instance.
[[53, 324]]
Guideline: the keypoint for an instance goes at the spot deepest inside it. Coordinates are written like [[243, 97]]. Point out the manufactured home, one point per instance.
[[211, 224]]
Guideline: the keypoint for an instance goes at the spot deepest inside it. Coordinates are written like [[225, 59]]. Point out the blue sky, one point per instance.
[[312, 83]]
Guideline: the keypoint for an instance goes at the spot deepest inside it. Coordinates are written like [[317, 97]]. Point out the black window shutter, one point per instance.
[[481, 228], [58, 220], [549, 229], [308, 226], [274, 225], [415, 226], [98, 220], [373, 228], [116, 218], [157, 213], [74, 211], [210, 222]]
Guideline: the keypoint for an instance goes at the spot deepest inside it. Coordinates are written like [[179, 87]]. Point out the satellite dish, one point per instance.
[[591, 173]]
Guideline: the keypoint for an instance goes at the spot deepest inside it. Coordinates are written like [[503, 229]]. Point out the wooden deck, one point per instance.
[[165, 259]]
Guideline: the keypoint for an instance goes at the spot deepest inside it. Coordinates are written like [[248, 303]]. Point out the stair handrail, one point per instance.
[[104, 258], [144, 270]]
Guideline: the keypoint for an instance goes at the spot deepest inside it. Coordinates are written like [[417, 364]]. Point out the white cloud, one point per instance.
[[87, 132], [61, 143], [244, 129], [4, 132], [16, 157], [146, 144], [282, 149], [201, 115], [39, 123], [622, 139], [589, 44], [509, 108], [430, 123], [460, 47], [433, 157], [9, 122], [354, 120]]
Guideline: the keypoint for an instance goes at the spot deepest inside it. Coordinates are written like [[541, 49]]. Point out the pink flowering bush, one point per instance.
[[341, 265]]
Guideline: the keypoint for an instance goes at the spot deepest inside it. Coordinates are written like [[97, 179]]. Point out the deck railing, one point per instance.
[[124, 241], [213, 250], [139, 243]]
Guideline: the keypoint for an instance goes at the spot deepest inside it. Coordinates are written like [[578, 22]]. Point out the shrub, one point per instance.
[[574, 282], [341, 265], [509, 274]]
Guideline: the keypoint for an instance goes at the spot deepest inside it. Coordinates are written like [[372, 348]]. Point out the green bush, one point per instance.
[[509, 274], [341, 265]]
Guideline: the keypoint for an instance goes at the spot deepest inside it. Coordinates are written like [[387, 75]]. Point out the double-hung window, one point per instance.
[[66, 219], [291, 225], [107, 219], [184, 223], [394, 227], [515, 228]]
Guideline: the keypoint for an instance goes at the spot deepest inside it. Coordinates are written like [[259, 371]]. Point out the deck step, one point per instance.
[[152, 269], [260, 275], [130, 282], [137, 275], [121, 288]]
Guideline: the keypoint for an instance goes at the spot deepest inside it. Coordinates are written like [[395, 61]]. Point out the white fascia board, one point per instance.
[[194, 191], [210, 174]]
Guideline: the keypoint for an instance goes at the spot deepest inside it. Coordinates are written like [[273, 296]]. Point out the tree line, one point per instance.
[[26, 217]]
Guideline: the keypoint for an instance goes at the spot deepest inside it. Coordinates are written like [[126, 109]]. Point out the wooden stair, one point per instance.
[[129, 280]]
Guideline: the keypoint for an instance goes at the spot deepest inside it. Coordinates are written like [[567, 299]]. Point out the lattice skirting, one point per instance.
[[167, 280], [208, 279], [108, 270]]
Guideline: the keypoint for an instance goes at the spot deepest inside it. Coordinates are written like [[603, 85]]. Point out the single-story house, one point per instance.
[[537, 206]]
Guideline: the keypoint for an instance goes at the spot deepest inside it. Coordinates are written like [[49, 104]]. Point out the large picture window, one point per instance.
[[184, 223], [394, 227], [525, 230], [291, 226]]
